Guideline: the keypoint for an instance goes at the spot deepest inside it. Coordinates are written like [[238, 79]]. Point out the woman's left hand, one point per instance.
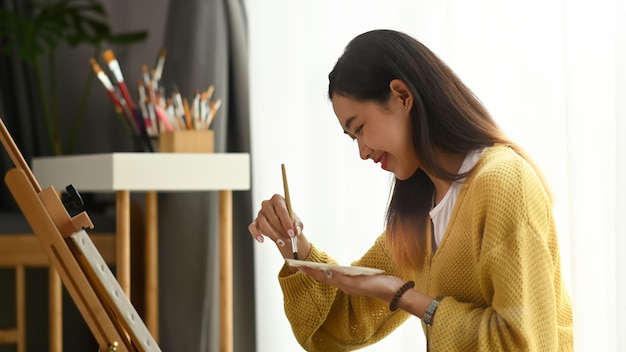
[[382, 287]]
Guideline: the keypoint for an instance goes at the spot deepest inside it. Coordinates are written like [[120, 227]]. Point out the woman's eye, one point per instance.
[[357, 131]]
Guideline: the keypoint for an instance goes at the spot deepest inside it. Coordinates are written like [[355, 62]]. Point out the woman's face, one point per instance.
[[383, 133]]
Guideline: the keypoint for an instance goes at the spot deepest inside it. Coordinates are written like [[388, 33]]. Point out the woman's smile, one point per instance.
[[382, 159]]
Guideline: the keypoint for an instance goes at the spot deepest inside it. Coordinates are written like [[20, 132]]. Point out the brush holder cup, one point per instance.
[[187, 141]]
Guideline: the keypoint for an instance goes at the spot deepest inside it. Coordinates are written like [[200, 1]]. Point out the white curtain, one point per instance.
[[552, 73]]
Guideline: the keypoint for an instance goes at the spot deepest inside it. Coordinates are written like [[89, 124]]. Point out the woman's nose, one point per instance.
[[364, 151]]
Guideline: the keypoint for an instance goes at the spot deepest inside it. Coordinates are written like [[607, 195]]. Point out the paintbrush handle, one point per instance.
[[294, 239]]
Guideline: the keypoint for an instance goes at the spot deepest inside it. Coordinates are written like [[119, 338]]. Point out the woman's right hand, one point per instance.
[[273, 222]]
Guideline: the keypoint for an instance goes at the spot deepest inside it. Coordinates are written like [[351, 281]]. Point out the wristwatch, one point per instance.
[[430, 311]]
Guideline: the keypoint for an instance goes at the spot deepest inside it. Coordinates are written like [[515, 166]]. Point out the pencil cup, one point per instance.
[[187, 141]]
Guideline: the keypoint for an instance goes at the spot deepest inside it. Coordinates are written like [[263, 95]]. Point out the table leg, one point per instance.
[[123, 240], [226, 270], [20, 307], [152, 264]]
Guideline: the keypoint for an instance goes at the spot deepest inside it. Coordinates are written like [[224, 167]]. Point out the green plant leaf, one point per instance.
[[45, 25]]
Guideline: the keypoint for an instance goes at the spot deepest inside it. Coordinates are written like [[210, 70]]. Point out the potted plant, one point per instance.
[[35, 33]]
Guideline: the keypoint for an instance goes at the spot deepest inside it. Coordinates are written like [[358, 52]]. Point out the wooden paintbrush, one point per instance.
[[294, 239]]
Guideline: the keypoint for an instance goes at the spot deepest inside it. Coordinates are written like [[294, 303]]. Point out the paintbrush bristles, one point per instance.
[[94, 66], [108, 55], [158, 71], [104, 79], [209, 91]]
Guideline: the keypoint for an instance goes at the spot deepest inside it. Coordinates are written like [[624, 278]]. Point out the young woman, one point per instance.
[[470, 245]]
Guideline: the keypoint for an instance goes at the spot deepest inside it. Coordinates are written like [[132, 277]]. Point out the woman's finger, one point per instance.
[[254, 231], [267, 229]]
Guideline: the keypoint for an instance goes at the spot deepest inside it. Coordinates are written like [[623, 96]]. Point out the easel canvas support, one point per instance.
[[105, 307]]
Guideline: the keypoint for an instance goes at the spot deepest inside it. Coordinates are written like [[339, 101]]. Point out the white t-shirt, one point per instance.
[[441, 213]]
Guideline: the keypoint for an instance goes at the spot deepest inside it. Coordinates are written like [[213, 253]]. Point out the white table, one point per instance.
[[150, 173]]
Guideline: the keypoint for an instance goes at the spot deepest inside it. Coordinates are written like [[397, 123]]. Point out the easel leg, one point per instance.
[[55, 289], [152, 264], [226, 270]]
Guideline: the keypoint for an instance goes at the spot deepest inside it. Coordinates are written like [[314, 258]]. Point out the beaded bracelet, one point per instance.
[[393, 306]]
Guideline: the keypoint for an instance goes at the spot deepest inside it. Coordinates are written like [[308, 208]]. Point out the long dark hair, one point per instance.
[[446, 115]]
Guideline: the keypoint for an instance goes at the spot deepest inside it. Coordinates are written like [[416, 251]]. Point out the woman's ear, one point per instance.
[[401, 92]]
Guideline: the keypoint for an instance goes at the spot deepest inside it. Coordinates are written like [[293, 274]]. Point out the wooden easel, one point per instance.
[[108, 312]]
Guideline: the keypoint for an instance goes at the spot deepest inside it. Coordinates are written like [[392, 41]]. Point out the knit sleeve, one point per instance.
[[518, 273], [325, 319]]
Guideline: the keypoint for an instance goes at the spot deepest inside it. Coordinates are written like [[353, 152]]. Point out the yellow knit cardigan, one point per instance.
[[497, 267]]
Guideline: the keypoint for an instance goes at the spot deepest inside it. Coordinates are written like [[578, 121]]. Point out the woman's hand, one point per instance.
[[383, 287], [273, 222]]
